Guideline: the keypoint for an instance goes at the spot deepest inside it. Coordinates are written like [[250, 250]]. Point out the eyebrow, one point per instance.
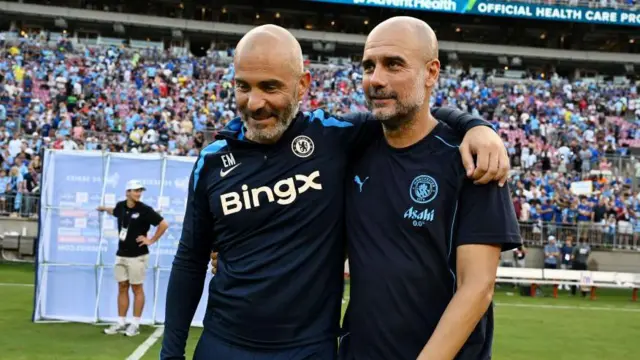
[[386, 59], [268, 82]]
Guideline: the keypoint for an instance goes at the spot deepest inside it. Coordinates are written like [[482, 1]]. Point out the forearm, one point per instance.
[[458, 120], [463, 313], [184, 292], [160, 230], [108, 210]]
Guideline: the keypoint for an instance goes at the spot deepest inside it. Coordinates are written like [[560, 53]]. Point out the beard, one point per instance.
[[269, 133], [393, 118]]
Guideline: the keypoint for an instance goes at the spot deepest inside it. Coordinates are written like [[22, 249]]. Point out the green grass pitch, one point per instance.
[[526, 328]]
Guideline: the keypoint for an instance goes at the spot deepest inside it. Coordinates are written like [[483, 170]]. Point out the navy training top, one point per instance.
[[406, 211]]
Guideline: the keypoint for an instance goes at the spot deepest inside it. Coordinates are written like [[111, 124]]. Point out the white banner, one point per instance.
[[77, 245]]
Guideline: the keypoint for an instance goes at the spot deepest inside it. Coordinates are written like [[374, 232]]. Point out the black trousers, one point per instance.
[[577, 266]]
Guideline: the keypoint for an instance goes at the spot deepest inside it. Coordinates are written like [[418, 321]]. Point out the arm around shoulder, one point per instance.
[[479, 139]]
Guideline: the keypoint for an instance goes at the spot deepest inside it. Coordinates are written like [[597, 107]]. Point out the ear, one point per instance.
[[432, 73], [303, 84]]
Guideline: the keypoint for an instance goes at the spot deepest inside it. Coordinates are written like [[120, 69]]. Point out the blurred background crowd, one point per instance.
[[568, 141]]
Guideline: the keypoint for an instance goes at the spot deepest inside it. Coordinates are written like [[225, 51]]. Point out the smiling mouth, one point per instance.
[[262, 118], [381, 100]]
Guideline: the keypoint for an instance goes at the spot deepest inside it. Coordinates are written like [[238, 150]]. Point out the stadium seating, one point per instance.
[[146, 111], [556, 277]]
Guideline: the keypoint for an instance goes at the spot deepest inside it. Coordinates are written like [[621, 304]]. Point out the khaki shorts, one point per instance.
[[131, 269]]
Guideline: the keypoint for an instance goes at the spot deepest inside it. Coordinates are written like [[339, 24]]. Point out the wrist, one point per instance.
[[478, 122]]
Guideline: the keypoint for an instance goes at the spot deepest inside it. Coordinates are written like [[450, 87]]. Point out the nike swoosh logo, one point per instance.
[[224, 172]]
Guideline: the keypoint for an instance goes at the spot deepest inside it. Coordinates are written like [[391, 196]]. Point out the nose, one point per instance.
[[256, 101], [378, 79]]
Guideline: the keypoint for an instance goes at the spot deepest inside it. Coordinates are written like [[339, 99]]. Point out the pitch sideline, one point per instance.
[[498, 304], [16, 284], [566, 307], [139, 352]]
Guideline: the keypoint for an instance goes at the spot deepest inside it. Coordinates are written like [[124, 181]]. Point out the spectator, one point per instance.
[[566, 253], [116, 99], [520, 255], [551, 254], [579, 261]]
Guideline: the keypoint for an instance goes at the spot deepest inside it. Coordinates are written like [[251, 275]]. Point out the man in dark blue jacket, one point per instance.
[[268, 195]]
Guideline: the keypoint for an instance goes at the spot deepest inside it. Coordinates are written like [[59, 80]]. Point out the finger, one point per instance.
[[503, 172], [467, 158], [492, 170], [482, 164]]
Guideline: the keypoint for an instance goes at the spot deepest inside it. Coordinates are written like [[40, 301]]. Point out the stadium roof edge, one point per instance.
[[351, 39]]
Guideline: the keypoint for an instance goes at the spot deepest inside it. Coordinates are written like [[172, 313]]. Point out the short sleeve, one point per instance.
[[153, 217], [486, 216], [117, 210]]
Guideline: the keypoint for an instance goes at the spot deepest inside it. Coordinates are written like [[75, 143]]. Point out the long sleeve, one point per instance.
[[459, 121], [189, 269]]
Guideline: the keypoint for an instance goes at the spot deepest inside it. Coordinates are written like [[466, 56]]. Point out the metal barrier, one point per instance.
[[534, 233], [622, 165], [598, 236], [19, 205]]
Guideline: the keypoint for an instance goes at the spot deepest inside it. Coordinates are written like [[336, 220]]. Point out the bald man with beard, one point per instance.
[[424, 242], [268, 196]]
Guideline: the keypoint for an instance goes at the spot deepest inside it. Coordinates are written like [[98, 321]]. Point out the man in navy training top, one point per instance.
[[268, 195], [424, 242]]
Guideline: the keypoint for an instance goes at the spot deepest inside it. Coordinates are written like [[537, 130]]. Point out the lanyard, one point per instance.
[[124, 215]]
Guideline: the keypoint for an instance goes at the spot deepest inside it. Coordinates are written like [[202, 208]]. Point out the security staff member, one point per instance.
[[134, 220]]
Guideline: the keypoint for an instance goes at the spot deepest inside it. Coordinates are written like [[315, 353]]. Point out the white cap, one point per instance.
[[551, 238], [135, 185]]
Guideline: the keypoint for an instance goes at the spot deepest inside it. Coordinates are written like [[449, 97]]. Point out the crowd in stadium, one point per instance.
[[112, 99]]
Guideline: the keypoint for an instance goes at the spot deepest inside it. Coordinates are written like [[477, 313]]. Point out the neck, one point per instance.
[[249, 135], [131, 203], [412, 131]]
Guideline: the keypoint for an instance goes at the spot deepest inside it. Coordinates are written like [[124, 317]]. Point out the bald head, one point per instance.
[[410, 32], [270, 82], [401, 67], [271, 42]]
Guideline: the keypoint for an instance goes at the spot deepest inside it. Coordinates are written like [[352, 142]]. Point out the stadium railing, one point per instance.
[[622, 165], [597, 235], [588, 281], [19, 205]]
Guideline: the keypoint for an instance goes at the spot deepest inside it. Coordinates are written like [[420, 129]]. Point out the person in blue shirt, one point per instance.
[[585, 211], [268, 196], [585, 216], [547, 211], [424, 242], [570, 214], [551, 253]]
